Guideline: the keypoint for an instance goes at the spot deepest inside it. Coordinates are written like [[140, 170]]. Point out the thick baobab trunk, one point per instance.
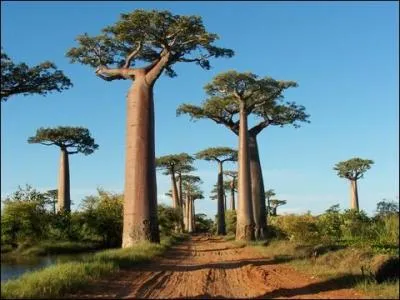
[[245, 220], [233, 194], [354, 195], [140, 199], [190, 214], [221, 213], [257, 189], [175, 194], [187, 213], [193, 217], [64, 199]]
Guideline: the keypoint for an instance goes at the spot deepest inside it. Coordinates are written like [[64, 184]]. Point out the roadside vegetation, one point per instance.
[[347, 248]]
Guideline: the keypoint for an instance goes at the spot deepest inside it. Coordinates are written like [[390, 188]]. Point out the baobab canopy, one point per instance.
[[263, 98], [25, 80], [77, 139], [354, 168], [146, 36]]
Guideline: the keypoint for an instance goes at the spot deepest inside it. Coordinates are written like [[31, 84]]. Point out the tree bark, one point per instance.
[[245, 220], [354, 195], [175, 194], [233, 194], [257, 189], [64, 199], [193, 216], [190, 215], [187, 213], [140, 199], [221, 212]]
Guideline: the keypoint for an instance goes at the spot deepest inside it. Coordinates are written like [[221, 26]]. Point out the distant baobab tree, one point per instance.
[[219, 155], [70, 140], [353, 169]]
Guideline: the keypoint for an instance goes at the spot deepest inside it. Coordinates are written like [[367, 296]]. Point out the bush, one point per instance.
[[203, 224], [329, 225], [230, 221], [298, 228], [169, 219]]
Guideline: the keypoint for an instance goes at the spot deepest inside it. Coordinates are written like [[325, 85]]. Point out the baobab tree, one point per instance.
[[274, 204], [226, 188], [262, 99], [159, 39], [22, 79], [268, 195], [70, 140], [353, 169], [233, 185], [219, 155], [191, 192], [172, 164]]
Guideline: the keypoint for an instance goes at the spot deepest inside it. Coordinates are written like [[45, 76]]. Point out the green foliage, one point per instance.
[[103, 216], [385, 208], [230, 221], [146, 35], [24, 216], [65, 137], [353, 169], [202, 223], [169, 218], [262, 98], [25, 80], [329, 224], [298, 228], [219, 154], [274, 204], [175, 163]]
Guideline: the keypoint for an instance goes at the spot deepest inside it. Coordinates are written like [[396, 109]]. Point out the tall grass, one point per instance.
[[57, 280]]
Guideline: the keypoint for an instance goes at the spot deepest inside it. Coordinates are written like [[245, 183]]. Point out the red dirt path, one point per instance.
[[205, 267]]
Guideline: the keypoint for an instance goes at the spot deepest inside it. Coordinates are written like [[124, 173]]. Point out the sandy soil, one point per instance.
[[209, 267]]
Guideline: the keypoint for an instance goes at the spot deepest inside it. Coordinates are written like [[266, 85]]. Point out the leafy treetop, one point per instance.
[[233, 174], [147, 36], [22, 79], [219, 154], [269, 193], [275, 202], [261, 97], [76, 138], [353, 169], [174, 163]]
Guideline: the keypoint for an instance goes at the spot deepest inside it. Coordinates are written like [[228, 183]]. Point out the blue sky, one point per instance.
[[344, 56]]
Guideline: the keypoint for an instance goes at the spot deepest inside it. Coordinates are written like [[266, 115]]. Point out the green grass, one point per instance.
[[345, 262], [60, 279], [57, 247]]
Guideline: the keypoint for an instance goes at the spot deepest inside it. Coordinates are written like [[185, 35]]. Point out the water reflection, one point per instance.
[[14, 266]]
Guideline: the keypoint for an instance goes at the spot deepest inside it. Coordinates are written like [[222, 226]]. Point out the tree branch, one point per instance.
[[112, 74], [259, 127], [133, 55], [47, 144], [156, 69]]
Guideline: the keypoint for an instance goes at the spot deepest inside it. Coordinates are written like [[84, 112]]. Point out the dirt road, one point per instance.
[[213, 268]]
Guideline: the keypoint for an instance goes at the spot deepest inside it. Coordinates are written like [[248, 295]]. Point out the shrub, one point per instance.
[[169, 218], [230, 221], [298, 228]]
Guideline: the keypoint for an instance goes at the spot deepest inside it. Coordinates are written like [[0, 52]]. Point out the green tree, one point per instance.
[[329, 224], [202, 223], [386, 208], [25, 80], [191, 192], [160, 39], [172, 164], [232, 186], [52, 196], [71, 140], [24, 217], [103, 216], [220, 155], [274, 204], [353, 169], [168, 218], [232, 96], [268, 195]]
